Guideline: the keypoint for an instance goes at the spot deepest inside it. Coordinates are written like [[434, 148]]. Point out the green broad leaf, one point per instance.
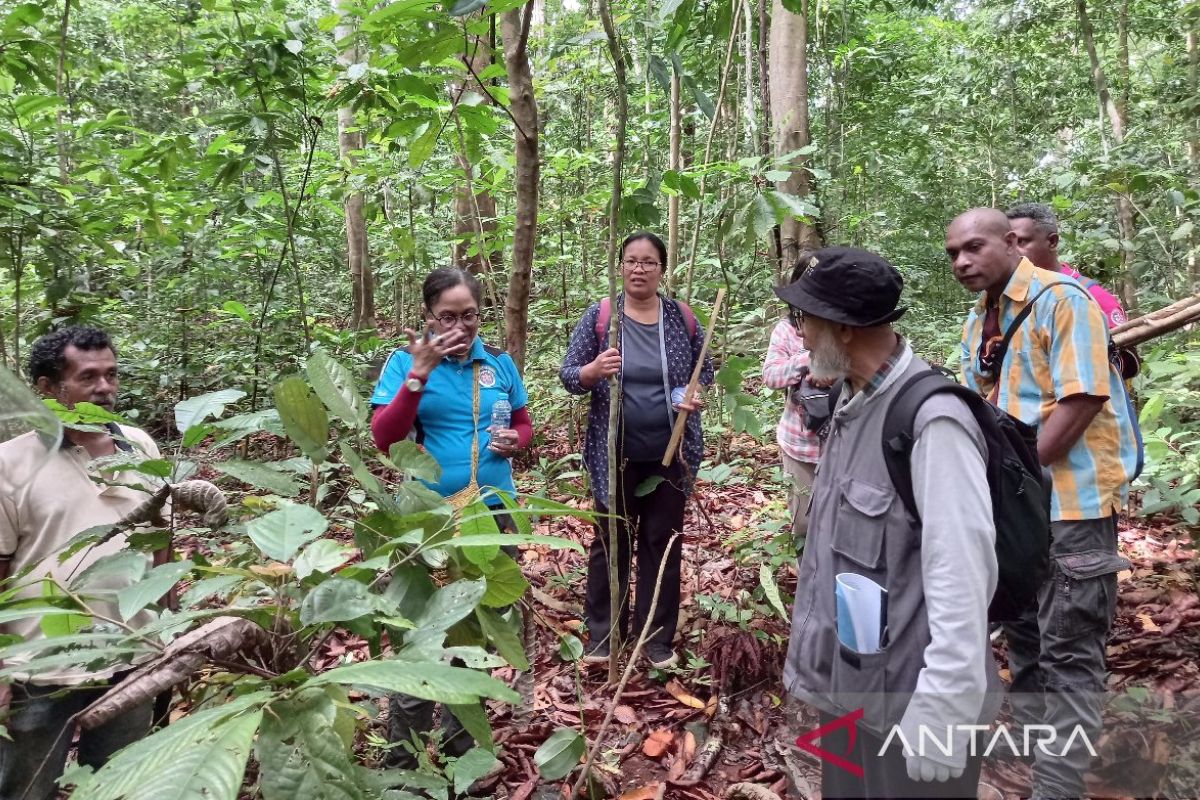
[[647, 486], [777, 175], [84, 414], [323, 555], [408, 457], [1182, 232], [766, 579], [334, 385], [451, 603], [240, 426], [559, 754], [517, 514], [234, 307], [209, 587], [150, 589], [336, 600], [422, 147], [202, 755], [794, 206], [504, 635], [195, 410], [667, 8], [370, 484], [702, 100], [412, 497], [437, 682], [260, 475], [284, 531], [410, 590], [301, 750], [117, 569], [303, 416], [294, 46], [25, 612], [471, 766], [56, 626], [478, 522], [475, 657], [505, 583], [570, 648], [74, 656], [474, 718], [463, 7]]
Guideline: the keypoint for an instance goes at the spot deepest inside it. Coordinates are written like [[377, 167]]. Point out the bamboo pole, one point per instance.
[[694, 383], [1157, 323]]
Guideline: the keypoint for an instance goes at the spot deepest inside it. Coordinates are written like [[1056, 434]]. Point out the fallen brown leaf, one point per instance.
[[678, 692], [658, 743], [689, 746], [647, 792], [625, 715], [1148, 624]]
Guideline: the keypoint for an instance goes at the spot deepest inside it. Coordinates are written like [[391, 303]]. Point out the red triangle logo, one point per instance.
[[805, 742]]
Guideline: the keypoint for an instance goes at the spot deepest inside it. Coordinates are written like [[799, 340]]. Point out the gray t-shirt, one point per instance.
[[645, 419]]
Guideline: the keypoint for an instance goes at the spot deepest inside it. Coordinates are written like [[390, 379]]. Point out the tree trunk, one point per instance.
[[351, 141], [788, 72], [474, 211], [676, 164], [614, 384], [523, 106], [1116, 120], [1194, 151]]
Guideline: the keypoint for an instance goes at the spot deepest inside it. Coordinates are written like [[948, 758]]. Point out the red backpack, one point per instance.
[[605, 317]]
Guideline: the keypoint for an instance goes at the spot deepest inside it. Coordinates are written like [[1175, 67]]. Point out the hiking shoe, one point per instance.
[[596, 652], [660, 656]]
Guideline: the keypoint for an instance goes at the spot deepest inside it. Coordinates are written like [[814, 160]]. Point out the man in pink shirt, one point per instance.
[[1036, 227]]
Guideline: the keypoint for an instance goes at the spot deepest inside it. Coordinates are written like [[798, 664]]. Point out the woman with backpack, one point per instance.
[[464, 402], [656, 349]]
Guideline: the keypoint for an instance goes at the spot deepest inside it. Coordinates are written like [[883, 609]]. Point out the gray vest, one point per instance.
[[859, 524]]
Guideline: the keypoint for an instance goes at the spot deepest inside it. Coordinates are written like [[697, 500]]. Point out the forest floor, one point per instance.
[[733, 650]]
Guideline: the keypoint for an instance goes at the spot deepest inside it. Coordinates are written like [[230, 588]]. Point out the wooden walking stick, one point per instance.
[[694, 383]]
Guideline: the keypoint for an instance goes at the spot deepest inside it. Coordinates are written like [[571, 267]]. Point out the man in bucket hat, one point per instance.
[[922, 665]]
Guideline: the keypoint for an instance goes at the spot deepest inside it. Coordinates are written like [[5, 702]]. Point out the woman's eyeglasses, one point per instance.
[[632, 264], [797, 318], [466, 318]]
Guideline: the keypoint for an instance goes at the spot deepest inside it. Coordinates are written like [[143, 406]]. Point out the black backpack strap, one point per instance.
[[1001, 350], [901, 416]]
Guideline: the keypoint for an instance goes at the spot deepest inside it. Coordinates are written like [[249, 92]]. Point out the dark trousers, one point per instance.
[[1056, 652], [649, 521], [884, 776], [41, 731], [410, 717]]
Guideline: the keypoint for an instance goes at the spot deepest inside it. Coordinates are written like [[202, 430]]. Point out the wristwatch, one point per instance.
[[414, 383]]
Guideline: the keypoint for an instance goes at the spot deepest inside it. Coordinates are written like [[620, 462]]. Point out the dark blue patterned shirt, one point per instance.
[[682, 351]]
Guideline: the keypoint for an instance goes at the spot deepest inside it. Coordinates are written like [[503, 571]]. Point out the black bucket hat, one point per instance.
[[847, 285]]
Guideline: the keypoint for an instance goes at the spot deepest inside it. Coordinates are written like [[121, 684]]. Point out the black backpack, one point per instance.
[[1020, 487]]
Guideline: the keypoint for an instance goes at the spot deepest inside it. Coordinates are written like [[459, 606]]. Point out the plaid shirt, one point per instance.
[[786, 356], [1061, 350], [885, 369]]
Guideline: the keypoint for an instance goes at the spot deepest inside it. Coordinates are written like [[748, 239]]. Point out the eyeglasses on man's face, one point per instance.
[[797, 318], [633, 264], [466, 318]]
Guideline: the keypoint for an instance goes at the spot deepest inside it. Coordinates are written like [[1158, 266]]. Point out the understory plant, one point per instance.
[[428, 588]]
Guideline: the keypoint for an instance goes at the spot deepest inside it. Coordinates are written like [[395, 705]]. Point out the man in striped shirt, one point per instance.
[[1056, 376]]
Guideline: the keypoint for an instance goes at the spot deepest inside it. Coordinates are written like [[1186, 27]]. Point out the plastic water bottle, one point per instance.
[[501, 415]]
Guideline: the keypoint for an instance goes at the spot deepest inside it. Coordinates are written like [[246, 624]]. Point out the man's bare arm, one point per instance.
[[1066, 423]]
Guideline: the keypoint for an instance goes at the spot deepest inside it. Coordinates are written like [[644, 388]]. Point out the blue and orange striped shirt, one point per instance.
[[1060, 350]]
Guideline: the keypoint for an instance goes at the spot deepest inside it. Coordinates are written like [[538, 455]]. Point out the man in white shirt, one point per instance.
[[45, 500]]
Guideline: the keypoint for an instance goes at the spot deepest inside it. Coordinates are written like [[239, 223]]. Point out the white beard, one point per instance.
[[828, 360]]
